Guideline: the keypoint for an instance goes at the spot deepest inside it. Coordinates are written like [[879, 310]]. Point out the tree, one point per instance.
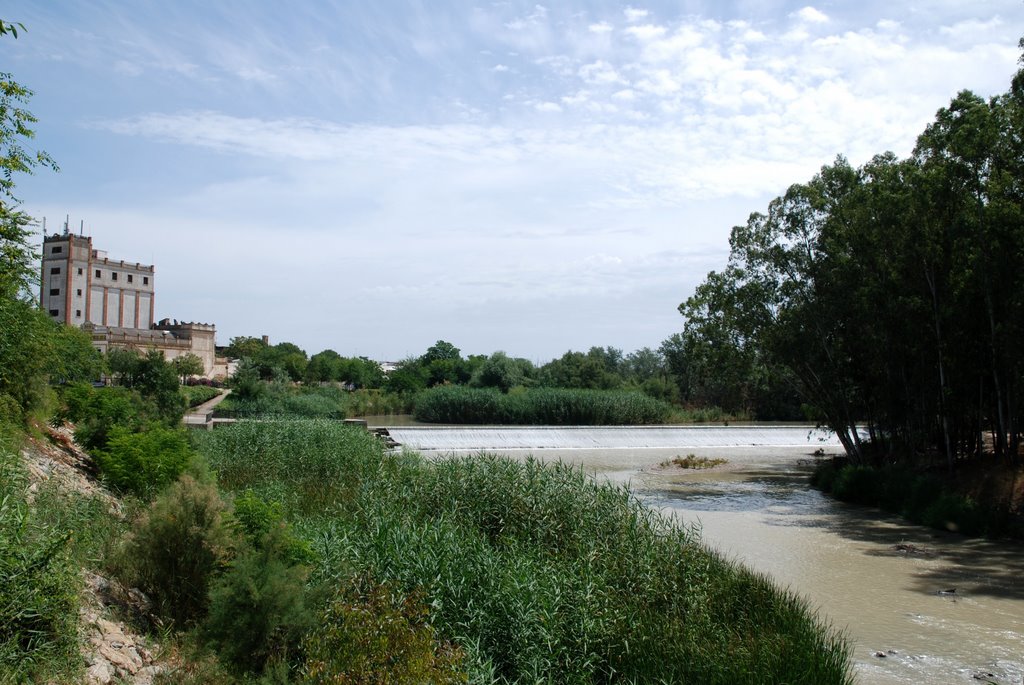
[[245, 347], [502, 372], [17, 258], [889, 296], [324, 367], [27, 348], [188, 365]]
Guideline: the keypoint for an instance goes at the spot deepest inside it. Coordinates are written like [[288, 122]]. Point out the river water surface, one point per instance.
[[919, 606]]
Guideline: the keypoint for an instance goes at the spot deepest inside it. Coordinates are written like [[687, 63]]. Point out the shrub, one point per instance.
[[143, 463], [38, 609], [98, 411], [176, 548], [262, 519], [197, 394], [856, 484], [379, 637], [257, 608]]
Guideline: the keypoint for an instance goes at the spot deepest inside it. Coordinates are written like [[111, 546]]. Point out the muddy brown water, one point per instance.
[[881, 580]]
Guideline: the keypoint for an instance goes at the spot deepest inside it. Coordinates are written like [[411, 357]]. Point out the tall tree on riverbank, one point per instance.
[[892, 294]]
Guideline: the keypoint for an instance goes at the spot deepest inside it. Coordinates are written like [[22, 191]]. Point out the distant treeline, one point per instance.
[[889, 295], [673, 373]]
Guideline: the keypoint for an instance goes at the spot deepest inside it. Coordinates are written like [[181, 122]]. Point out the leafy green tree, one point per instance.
[[362, 373], [324, 367], [888, 296], [503, 372], [187, 365], [245, 347], [157, 381], [17, 257], [596, 370], [408, 377]]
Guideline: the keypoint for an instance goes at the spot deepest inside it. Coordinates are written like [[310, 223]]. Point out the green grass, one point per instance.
[[536, 572], [539, 406], [692, 461]]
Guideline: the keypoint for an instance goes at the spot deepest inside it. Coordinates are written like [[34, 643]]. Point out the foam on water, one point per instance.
[[609, 437]]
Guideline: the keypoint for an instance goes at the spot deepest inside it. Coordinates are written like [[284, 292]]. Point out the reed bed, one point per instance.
[[536, 571], [539, 406], [318, 402]]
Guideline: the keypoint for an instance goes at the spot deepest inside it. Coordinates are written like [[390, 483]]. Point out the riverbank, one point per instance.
[[981, 498]]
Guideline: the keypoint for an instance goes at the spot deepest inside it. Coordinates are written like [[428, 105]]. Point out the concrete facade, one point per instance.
[[115, 302], [82, 285]]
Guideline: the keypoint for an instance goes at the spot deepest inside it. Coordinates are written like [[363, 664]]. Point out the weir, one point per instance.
[[608, 437]]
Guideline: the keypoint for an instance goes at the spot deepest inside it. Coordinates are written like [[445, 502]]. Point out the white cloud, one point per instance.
[[646, 32], [599, 73], [633, 14], [811, 15], [499, 68], [659, 82], [547, 107], [577, 98], [600, 27]]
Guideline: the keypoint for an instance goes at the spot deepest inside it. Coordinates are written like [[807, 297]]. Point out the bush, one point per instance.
[[197, 394], [262, 520], [38, 609], [143, 463], [98, 411], [919, 497], [856, 484], [379, 637], [257, 608], [177, 547]]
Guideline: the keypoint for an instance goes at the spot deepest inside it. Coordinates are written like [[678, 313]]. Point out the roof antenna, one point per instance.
[[67, 219], [81, 228]]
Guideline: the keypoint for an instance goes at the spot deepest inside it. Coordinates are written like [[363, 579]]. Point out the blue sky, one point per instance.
[[374, 176]]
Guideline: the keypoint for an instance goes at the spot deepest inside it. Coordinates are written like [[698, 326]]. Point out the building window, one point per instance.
[[54, 312], [57, 249], [98, 274], [55, 291], [79, 292], [113, 275], [78, 313], [129, 278], [55, 270], [145, 280], [79, 271]]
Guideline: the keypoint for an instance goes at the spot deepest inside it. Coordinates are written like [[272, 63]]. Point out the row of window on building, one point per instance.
[[55, 271]]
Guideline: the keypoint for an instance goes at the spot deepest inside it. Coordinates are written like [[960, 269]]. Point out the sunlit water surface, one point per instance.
[[882, 581]]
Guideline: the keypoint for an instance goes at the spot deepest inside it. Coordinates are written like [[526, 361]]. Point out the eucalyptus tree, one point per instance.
[[891, 295]]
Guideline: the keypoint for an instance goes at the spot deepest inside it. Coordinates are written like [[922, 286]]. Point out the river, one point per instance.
[[920, 606]]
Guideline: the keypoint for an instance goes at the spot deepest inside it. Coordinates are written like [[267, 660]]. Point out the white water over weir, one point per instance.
[[608, 437]]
